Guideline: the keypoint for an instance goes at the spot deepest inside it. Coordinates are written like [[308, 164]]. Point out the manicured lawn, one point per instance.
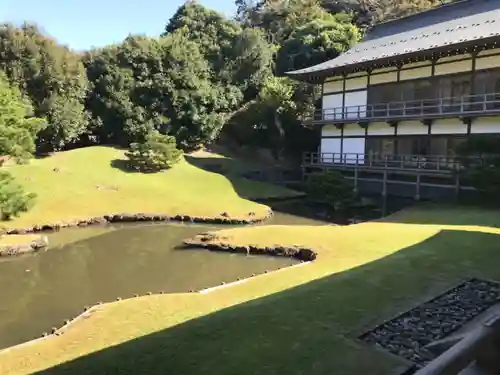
[[88, 182], [295, 321]]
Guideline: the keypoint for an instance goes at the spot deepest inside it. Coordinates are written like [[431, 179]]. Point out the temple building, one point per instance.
[[412, 90]]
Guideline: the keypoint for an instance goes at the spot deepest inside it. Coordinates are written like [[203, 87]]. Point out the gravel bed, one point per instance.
[[409, 333]]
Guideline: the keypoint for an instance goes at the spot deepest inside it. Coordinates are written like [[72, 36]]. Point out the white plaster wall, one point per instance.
[[353, 100], [415, 73], [486, 125], [416, 64], [385, 70], [412, 128], [330, 131], [356, 83], [487, 62], [448, 126], [332, 107], [455, 58], [489, 52], [353, 129], [453, 67], [351, 147], [333, 86], [380, 128], [376, 79], [330, 150]]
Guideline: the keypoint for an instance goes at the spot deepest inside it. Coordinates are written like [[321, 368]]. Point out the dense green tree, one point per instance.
[[13, 199], [368, 12], [196, 105], [240, 59], [281, 18], [317, 41], [211, 31], [124, 81], [165, 84], [237, 56], [52, 76], [250, 61], [18, 127], [248, 12]]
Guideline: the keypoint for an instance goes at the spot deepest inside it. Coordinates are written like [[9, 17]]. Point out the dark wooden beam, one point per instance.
[[344, 76], [466, 120], [427, 121], [433, 66]]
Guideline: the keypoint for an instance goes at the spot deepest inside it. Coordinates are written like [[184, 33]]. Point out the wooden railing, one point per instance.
[[415, 109], [476, 350], [426, 162]]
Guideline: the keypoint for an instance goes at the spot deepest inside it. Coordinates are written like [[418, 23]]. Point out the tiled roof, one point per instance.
[[450, 25]]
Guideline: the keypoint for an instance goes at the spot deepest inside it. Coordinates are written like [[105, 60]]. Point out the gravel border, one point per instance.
[[407, 334]]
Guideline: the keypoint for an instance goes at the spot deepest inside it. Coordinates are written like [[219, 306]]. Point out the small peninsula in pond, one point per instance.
[[91, 182]]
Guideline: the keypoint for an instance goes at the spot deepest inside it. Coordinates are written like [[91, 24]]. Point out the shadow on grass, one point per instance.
[[125, 166], [244, 178], [309, 329]]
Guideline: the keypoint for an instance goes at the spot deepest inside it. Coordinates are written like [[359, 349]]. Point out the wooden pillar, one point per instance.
[[417, 187], [356, 172], [384, 194], [457, 185], [384, 184]]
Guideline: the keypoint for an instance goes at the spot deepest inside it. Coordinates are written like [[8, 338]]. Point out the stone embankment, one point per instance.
[[212, 241], [223, 218]]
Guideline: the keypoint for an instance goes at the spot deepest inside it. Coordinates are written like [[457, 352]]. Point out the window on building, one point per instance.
[[449, 93], [380, 147]]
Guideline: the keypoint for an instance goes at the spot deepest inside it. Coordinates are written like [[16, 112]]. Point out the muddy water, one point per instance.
[[86, 265]]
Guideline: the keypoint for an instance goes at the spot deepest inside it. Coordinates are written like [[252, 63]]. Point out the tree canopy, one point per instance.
[[18, 127], [206, 75], [317, 41], [52, 76]]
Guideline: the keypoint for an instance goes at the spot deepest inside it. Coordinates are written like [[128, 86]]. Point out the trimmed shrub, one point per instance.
[[330, 188], [480, 155], [13, 198], [486, 179], [157, 152]]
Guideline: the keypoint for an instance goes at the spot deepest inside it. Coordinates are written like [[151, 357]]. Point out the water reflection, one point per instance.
[[86, 265]]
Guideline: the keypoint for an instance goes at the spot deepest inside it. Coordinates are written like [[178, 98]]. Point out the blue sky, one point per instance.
[[83, 24]]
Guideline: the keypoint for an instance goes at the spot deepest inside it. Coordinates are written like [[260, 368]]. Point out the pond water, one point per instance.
[[84, 266]]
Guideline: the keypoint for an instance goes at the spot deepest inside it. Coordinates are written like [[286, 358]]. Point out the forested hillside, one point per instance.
[[206, 75]]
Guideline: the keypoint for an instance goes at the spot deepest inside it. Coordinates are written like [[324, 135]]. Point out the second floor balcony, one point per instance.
[[437, 108]]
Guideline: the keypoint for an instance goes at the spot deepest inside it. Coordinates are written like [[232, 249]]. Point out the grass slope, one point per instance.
[[85, 182], [296, 321]]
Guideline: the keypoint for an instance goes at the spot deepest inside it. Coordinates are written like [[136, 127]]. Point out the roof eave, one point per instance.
[[319, 75]]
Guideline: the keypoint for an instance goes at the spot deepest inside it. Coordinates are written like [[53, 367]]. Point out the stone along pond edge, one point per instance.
[[31, 246], [88, 311], [223, 218], [42, 242], [305, 255], [214, 242]]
